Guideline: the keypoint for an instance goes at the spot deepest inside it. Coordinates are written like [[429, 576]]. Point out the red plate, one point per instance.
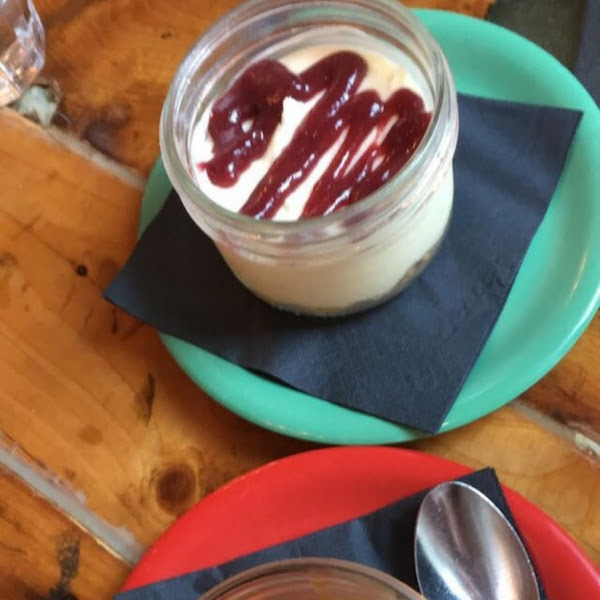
[[300, 494]]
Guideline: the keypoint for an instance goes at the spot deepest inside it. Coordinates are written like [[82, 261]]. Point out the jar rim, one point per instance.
[[297, 565], [402, 184]]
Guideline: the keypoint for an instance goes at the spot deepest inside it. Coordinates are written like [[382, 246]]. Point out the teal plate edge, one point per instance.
[[559, 283]]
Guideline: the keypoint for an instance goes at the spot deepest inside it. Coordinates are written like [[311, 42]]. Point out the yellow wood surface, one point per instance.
[[90, 399], [85, 388]]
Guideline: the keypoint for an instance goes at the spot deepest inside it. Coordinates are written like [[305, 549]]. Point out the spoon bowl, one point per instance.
[[466, 549]]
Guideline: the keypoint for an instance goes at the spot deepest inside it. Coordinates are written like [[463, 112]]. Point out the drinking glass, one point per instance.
[[22, 48]]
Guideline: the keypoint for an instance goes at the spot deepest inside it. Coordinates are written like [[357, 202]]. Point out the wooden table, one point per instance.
[[104, 441]]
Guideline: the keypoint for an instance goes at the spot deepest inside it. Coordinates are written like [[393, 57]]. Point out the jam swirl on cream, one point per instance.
[[243, 121]]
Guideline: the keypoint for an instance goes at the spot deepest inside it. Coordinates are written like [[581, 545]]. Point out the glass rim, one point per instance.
[[402, 184], [298, 565]]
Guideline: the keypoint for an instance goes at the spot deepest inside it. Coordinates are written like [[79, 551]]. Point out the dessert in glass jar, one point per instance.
[[313, 142]]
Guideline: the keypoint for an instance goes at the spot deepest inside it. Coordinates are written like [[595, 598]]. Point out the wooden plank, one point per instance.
[[114, 62], [87, 390], [44, 556]]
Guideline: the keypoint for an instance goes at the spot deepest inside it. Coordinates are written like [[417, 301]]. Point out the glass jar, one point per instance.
[[312, 579], [363, 254]]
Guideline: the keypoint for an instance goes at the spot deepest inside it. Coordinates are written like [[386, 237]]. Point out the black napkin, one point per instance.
[[406, 360], [382, 539], [587, 67]]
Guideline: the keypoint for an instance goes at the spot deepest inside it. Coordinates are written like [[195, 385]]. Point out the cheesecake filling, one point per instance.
[[308, 134]]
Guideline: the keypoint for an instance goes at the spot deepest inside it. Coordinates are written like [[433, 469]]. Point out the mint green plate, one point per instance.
[[555, 295]]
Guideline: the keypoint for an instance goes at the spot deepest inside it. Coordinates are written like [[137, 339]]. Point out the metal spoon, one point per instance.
[[465, 549]]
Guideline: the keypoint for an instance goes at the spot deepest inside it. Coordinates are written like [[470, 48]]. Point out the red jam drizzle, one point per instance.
[[257, 97]]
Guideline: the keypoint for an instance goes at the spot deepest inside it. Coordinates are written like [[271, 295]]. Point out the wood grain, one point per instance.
[[45, 556], [86, 389], [114, 60]]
